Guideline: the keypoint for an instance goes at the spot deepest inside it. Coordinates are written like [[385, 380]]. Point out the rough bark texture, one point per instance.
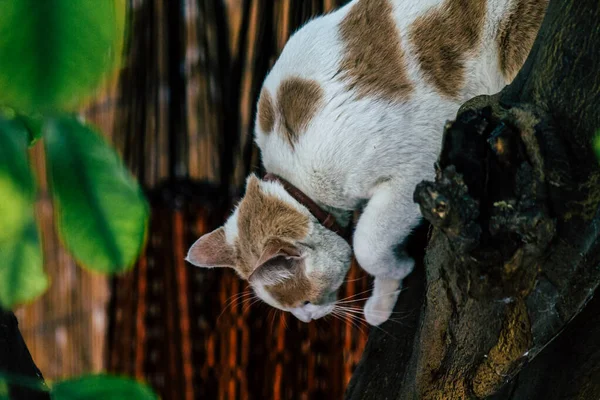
[[514, 255], [16, 360]]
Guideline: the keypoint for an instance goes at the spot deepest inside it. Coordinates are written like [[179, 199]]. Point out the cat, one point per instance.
[[350, 118]]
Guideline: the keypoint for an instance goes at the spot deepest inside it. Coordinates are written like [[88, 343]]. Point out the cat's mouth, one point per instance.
[[311, 312]]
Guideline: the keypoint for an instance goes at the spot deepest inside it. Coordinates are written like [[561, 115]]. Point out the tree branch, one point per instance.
[[16, 360], [515, 249]]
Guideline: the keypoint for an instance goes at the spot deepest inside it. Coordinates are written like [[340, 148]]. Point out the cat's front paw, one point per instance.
[[379, 307]]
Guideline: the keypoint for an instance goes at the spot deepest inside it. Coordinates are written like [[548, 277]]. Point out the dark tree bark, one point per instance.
[[513, 259], [16, 360]]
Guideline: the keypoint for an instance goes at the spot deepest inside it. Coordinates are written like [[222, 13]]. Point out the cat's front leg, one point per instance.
[[380, 305], [388, 218]]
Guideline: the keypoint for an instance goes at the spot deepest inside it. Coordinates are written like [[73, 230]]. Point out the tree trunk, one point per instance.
[[514, 254]]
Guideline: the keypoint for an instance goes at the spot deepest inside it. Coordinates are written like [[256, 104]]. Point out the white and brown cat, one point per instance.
[[352, 115]]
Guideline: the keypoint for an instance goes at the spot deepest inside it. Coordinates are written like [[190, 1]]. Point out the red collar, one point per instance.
[[326, 219]]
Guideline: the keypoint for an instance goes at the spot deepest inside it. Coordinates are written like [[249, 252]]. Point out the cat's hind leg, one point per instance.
[[388, 218]]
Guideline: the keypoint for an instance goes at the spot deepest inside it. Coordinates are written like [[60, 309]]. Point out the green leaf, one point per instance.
[[597, 144], [23, 381], [102, 214], [101, 387], [4, 395], [34, 124], [53, 53], [7, 112], [22, 276]]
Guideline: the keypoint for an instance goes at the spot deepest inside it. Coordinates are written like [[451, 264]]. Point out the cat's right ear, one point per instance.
[[212, 250]]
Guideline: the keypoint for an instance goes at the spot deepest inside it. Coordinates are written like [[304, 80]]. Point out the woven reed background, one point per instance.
[[181, 114], [65, 329]]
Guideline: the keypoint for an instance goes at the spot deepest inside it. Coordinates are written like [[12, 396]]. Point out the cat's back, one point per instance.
[[358, 92]]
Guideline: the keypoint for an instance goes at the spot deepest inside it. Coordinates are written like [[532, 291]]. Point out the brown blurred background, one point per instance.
[[181, 113]]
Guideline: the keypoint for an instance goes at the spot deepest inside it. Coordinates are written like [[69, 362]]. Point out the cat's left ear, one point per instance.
[[277, 262], [279, 248], [212, 250]]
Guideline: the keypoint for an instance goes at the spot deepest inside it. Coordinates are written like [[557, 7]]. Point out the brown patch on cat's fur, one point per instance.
[[442, 39], [373, 62], [294, 291], [297, 103], [266, 112], [260, 217], [516, 34], [275, 247]]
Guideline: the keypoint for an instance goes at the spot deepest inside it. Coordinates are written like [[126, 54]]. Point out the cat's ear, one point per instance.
[[212, 250], [277, 263], [279, 248]]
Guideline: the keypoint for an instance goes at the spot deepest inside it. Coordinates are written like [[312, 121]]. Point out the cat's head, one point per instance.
[[291, 261]]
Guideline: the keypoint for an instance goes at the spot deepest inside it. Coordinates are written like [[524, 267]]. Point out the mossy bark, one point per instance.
[[514, 255]]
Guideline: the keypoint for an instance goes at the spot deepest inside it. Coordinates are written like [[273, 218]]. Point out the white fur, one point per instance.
[[310, 311], [381, 303], [365, 151]]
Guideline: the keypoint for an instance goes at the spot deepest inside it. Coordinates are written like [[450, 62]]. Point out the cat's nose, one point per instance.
[[310, 308], [304, 317]]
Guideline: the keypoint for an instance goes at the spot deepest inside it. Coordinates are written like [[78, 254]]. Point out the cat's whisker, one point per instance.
[[358, 322], [361, 319], [283, 316], [233, 298], [272, 314], [250, 303], [347, 318], [394, 320], [248, 299], [238, 296], [353, 301], [345, 313], [386, 332], [361, 310], [354, 280], [354, 295], [338, 317], [245, 298], [359, 313], [366, 298], [247, 303]]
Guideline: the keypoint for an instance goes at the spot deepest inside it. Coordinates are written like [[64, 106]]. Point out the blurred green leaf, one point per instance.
[[102, 214], [4, 395], [55, 52], [7, 112], [597, 144], [101, 387], [23, 381], [22, 276], [33, 123]]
